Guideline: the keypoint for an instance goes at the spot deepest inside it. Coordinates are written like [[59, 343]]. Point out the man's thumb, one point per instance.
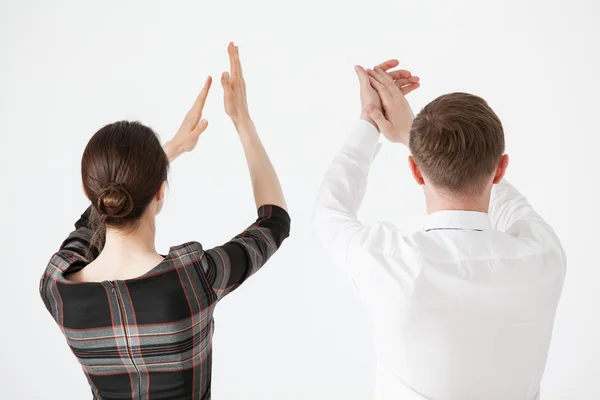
[[374, 111], [376, 115], [360, 72]]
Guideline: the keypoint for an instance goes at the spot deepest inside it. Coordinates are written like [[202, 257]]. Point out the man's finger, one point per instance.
[[382, 91], [389, 64], [409, 88], [376, 77], [195, 112], [399, 73], [378, 86], [406, 81], [384, 75], [402, 82], [363, 77], [388, 81], [384, 85], [384, 79]]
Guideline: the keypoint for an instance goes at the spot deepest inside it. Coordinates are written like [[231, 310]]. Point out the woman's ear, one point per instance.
[[416, 173], [160, 195]]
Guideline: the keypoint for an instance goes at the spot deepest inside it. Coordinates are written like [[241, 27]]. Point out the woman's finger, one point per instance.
[[201, 99], [193, 116], [201, 127], [225, 79], [226, 83], [239, 61], [228, 94], [234, 65]]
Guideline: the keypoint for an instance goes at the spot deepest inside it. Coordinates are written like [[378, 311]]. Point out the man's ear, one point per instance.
[[161, 191], [501, 169], [416, 173]]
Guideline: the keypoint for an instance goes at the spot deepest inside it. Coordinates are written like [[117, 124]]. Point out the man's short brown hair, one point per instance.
[[457, 141]]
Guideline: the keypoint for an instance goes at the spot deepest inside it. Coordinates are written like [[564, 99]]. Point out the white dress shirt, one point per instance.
[[462, 310]]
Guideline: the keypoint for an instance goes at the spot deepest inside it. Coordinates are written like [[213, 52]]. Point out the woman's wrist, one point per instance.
[[173, 149], [244, 125]]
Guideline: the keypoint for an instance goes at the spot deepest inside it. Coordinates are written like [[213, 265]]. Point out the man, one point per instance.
[[464, 308]]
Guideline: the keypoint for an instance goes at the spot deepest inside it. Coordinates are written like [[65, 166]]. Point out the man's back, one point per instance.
[[462, 310], [472, 318]]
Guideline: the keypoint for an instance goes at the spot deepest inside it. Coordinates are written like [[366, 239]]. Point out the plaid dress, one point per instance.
[[150, 337]]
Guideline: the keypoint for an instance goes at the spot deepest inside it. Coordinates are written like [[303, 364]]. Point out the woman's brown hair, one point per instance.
[[122, 168]]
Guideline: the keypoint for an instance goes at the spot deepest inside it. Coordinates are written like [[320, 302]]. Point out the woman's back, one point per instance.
[[117, 268], [151, 336]]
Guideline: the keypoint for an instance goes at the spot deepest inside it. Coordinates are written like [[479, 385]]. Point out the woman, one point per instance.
[[140, 323]]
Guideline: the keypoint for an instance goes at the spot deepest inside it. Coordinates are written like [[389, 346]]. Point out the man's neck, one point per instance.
[[436, 201]]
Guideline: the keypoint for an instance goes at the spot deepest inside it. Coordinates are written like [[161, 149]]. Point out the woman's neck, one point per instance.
[[126, 254], [123, 244]]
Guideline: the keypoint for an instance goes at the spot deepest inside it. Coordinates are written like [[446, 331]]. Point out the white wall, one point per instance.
[[68, 67]]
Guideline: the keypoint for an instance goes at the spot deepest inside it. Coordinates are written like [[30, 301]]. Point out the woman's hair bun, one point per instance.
[[114, 201]]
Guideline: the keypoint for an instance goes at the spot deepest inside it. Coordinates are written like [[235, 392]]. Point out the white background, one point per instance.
[[296, 330]]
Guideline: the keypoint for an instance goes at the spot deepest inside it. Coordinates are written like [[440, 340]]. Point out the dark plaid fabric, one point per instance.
[[150, 337]]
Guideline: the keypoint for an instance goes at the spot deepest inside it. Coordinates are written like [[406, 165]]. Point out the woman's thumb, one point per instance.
[[225, 78]]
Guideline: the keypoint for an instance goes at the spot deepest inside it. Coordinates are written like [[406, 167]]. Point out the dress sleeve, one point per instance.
[[229, 265]]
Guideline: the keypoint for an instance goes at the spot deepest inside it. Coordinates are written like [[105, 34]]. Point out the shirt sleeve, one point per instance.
[[511, 213], [229, 265], [335, 221]]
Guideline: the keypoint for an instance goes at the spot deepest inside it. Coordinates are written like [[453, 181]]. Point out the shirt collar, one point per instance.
[[458, 219]]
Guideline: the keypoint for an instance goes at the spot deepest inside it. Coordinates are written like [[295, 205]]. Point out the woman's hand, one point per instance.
[[234, 88], [192, 126]]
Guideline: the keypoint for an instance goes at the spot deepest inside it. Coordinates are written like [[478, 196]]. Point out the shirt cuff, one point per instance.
[[365, 138]]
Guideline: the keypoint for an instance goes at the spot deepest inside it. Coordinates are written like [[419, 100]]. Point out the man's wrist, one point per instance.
[[365, 138], [365, 117]]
